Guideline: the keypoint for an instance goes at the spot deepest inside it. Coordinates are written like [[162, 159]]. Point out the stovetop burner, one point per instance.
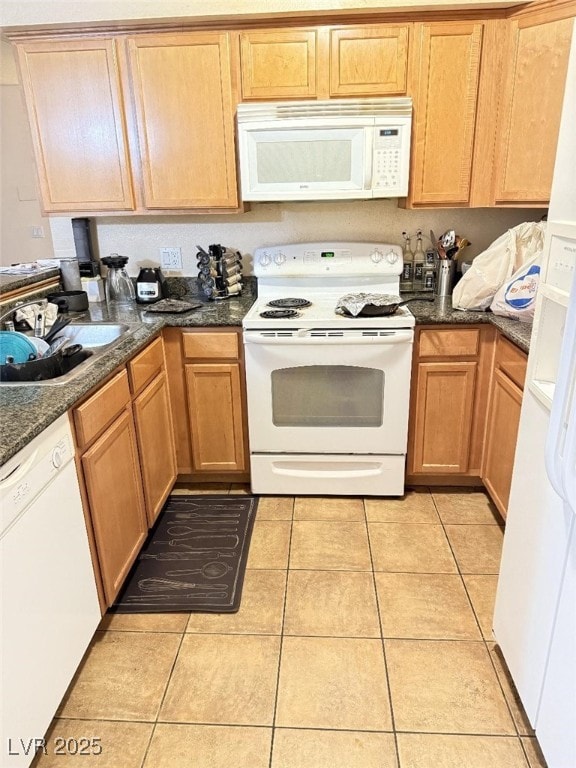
[[279, 313], [290, 303]]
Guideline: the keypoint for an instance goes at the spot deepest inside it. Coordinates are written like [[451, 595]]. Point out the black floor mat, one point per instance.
[[194, 558]]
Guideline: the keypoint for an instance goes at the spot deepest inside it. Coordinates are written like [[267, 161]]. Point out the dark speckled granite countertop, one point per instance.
[[440, 311], [28, 409]]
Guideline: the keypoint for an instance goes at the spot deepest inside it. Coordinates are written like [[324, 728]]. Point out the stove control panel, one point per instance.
[[340, 258]]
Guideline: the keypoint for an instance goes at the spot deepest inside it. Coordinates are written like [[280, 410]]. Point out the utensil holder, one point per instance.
[[220, 272], [445, 272]]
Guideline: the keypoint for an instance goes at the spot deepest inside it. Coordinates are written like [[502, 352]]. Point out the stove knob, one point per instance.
[[376, 256], [279, 258], [265, 259], [391, 257]]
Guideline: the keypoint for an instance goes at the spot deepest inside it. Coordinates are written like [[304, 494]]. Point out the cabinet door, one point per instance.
[[216, 423], [185, 119], [501, 434], [75, 108], [531, 106], [155, 445], [446, 64], [368, 61], [113, 486], [444, 407], [278, 64]]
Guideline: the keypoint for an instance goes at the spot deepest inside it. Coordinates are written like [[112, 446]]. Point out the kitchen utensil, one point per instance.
[[445, 277], [57, 326], [212, 570], [47, 367], [448, 239], [57, 344], [386, 305], [171, 585], [69, 301], [15, 345], [119, 287]]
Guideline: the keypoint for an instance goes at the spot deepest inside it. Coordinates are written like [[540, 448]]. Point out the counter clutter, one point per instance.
[[29, 409]]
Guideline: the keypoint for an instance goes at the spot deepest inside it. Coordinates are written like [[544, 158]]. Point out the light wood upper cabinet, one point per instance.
[[278, 64], [531, 104], [369, 61], [446, 65], [185, 119], [76, 114]]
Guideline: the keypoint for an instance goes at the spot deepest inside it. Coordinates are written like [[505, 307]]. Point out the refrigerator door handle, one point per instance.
[[561, 438]]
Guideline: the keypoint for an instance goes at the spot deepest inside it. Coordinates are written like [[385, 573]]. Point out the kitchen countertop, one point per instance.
[[28, 409], [15, 282], [440, 311]]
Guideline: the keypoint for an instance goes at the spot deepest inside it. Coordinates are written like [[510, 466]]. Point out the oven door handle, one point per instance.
[[308, 337]]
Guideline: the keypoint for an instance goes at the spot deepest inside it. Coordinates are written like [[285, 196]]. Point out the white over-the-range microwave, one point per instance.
[[325, 150]]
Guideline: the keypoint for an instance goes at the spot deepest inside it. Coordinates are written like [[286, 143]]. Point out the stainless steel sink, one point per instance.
[[94, 335], [97, 338]]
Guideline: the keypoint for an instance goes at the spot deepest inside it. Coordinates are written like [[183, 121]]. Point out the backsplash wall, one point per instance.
[[276, 223]]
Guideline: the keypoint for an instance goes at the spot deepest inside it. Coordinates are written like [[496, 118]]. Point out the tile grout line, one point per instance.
[[281, 636], [383, 645]]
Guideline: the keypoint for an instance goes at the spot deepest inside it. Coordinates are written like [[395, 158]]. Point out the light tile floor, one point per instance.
[[363, 641]]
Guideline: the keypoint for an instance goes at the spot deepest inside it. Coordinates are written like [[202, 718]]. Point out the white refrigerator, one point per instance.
[[535, 611]]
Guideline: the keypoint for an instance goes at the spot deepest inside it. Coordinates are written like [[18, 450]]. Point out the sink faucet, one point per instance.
[[16, 307]]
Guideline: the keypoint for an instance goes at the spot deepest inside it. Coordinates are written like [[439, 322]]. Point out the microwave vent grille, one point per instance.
[[290, 110]]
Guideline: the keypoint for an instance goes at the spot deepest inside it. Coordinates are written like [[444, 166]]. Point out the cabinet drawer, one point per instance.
[[210, 345], [94, 415], [511, 361], [449, 342], [145, 366]]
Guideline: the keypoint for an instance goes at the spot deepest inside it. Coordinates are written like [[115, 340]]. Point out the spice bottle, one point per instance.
[[408, 266], [419, 259]]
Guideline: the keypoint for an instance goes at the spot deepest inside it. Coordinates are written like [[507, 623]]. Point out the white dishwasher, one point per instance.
[[48, 601]]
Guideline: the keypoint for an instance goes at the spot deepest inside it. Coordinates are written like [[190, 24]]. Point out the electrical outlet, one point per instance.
[[171, 258], [37, 231]]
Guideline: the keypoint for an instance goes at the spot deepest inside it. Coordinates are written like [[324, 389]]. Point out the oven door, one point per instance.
[[333, 392]]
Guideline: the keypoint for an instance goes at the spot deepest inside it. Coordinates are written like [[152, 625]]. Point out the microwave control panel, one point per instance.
[[390, 159]]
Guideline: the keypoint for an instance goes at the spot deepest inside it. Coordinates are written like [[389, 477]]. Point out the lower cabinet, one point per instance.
[[126, 455], [106, 439], [113, 486], [206, 377], [449, 396], [467, 385], [502, 422]]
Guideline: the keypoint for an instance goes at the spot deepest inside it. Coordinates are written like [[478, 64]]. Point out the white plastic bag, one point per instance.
[[517, 297], [496, 265]]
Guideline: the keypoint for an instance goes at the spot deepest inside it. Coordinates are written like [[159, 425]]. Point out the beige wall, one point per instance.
[[276, 223], [19, 198]]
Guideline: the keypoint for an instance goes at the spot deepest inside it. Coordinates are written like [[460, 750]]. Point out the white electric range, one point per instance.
[[328, 394]]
